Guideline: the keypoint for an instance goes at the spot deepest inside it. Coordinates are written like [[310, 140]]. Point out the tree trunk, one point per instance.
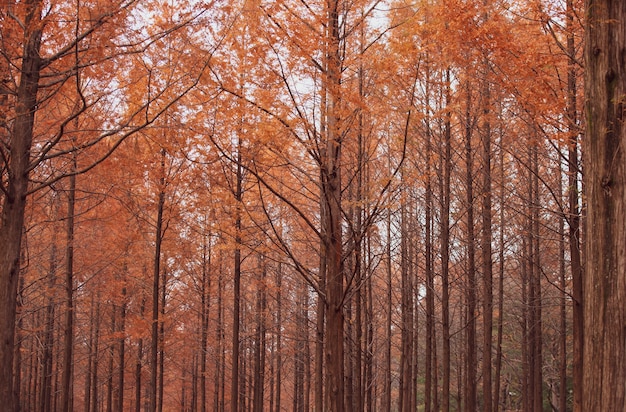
[[139, 361], [67, 386], [163, 293], [471, 404], [46, 381], [485, 243], [259, 349], [406, 305], [563, 308], [430, 381], [279, 326], [498, 365], [604, 148], [536, 301], [445, 250], [96, 356], [12, 218], [235, 390], [109, 403], [386, 405], [205, 302], [90, 357], [156, 289], [122, 352], [331, 193], [574, 215]]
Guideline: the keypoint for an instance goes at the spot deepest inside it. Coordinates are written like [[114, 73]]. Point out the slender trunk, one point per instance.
[[156, 289], [526, 341], [96, 356], [12, 217], [386, 406], [138, 363], [498, 365], [536, 287], [46, 382], [259, 350], [67, 386], [90, 357], [163, 293], [279, 326], [445, 250], [471, 404], [574, 216], [122, 352], [404, 398], [235, 390], [307, 354], [563, 333], [369, 344], [109, 403], [485, 243], [218, 381], [204, 290]]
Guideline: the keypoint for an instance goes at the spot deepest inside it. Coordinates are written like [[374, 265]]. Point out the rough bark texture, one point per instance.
[[333, 248], [604, 353], [15, 200]]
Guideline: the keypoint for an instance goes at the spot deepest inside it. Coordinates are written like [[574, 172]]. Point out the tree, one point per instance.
[[31, 143], [604, 145]]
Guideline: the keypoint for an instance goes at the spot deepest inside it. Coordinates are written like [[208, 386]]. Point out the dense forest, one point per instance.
[[312, 205]]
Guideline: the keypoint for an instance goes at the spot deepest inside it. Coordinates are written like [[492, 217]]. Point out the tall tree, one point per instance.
[[32, 142], [604, 306]]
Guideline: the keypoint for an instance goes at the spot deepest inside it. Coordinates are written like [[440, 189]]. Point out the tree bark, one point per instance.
[[485, 243], [470, 404], [13, 208], [156, 289], [66, 388], [333, 247], [604, 351]]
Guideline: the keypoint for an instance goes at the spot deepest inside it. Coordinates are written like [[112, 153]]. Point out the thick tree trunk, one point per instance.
[[604, 148], [485, 243], [333, 245], [12, 218]]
